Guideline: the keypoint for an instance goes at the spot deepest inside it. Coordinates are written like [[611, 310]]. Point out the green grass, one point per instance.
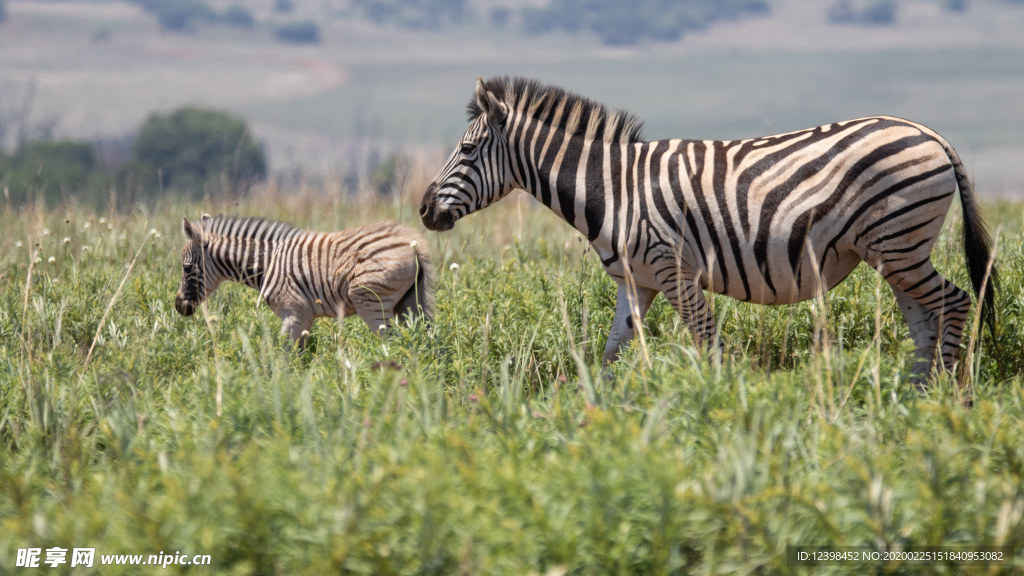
[[496, 448]]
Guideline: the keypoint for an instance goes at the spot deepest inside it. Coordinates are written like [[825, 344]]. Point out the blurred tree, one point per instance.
[[192, 147], [51, 171]]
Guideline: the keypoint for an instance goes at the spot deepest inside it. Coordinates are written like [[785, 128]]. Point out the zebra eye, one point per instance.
[[468, 149]]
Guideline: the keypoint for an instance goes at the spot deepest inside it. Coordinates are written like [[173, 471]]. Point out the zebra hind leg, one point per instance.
[[692, 306], [412, 304], [375, 305], [934, 308]]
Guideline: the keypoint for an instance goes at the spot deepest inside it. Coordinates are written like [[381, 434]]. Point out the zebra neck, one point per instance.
[[244, 260], [576, 178]]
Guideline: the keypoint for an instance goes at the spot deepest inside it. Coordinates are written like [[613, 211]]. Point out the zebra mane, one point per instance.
[[572, 112], [242, 226]]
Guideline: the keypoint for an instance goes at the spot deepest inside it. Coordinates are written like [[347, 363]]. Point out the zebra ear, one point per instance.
[[188, 229], [489, 104]]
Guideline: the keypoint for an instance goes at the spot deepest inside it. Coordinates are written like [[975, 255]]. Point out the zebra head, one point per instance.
[[194, 275], [477, 172]]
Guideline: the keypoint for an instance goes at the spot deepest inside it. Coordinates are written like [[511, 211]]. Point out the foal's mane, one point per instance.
[[574, 113], [242, 226]]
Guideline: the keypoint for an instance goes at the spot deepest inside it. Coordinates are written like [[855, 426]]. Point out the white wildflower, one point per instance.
[[46, 231], [381, 328], [103, 220], [18, 244], [414, 244], [67, 240], [51, 260], [86, 226], [454, 267]]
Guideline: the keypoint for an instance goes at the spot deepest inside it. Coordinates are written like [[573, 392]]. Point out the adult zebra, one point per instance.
[[378, 271], [771, 220]]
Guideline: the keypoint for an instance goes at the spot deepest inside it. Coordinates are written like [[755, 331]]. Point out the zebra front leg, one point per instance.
[[624, 327]]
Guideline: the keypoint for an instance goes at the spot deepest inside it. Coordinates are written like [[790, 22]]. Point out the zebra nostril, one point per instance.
[[428, 200]]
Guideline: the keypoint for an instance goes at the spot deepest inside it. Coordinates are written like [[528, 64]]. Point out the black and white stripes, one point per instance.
[[771, 220]]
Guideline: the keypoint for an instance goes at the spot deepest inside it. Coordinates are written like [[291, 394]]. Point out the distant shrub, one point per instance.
[[414, 14], [624, 23], [299, 32], [236, 15], [178, 15], [387, 177], [499, 17], [956, 5], [874, 13], [191, 147], [101, 34], [50, 170]]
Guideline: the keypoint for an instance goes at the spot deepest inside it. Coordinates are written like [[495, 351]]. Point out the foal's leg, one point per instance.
[[296, 324], [374, 304], [624, 327]]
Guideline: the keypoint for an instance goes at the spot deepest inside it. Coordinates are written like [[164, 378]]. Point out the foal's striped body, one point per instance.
[[378, 271]]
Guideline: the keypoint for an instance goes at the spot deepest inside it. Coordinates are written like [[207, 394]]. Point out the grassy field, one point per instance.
[[490, 445]]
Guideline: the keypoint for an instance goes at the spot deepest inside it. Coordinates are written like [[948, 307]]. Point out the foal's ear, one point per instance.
[[188, 229], [485, 99]]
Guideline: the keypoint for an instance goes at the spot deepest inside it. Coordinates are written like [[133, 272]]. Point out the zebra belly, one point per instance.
[[775, 280]]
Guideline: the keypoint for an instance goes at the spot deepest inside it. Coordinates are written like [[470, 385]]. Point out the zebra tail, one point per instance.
[[419, 299], [977, 244], [425, 284]]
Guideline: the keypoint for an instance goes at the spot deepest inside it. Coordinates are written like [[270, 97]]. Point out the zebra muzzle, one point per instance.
[[183, 306], [434, 218]]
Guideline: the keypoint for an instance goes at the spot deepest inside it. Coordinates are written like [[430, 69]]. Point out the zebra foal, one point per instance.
[[378, 271], [771, 220]]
